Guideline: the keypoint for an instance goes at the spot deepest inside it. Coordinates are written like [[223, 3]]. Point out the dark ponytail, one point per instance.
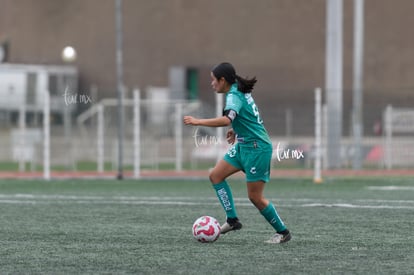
[[245, 85], [227, 71]]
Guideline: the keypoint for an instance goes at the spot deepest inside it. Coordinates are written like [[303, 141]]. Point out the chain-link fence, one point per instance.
[[154, 137]]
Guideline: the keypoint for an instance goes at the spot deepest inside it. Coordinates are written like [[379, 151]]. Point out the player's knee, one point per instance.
[[258, 201], [211, 178], [214, 177], [253, 199]]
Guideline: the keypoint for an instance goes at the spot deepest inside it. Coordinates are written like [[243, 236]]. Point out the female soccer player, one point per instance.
[[251, 154]]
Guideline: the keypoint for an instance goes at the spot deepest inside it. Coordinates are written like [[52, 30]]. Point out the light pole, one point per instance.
[[120, 85], [333, 81], [358, 73]]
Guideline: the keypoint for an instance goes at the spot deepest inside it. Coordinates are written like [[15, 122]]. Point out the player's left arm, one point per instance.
[[209, 122]]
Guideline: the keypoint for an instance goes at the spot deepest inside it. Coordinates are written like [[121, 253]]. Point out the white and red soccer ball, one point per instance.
[[206, 229]]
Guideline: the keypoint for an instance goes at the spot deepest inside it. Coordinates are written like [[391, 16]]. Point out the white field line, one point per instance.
[[172, 198], [49, 197], [192, 201], [349, 205], [391, 188], [17, 201]]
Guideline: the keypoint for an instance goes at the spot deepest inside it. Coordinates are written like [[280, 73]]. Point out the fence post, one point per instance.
[[100, 142], [137, 134], [178, 137], [388, 136], [317, 178], [46, 136], [324, 136], [219, 130], [22, 137]]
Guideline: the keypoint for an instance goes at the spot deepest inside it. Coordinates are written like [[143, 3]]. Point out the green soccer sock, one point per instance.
[[270, 214], [225, 196]]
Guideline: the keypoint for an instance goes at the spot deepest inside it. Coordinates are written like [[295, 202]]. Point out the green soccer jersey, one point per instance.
[[247, 124]]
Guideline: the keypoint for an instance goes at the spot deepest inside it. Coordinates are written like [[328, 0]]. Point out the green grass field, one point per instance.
[[350, 226]]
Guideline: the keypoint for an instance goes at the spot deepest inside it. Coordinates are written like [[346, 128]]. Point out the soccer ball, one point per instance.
[[206, 229]]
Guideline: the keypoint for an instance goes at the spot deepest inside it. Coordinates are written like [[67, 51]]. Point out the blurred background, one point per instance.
[[168, 49]]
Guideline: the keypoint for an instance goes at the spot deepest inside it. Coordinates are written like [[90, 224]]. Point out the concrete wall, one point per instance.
[[281, 42]]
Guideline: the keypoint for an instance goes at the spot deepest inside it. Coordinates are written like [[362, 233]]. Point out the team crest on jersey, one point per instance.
[[253, 170], [232, 152]]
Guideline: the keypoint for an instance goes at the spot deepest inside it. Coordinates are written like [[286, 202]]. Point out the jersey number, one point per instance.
[[256, 113]]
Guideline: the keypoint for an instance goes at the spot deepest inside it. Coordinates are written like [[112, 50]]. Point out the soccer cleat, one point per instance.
[[230, 225], [280, 238]]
